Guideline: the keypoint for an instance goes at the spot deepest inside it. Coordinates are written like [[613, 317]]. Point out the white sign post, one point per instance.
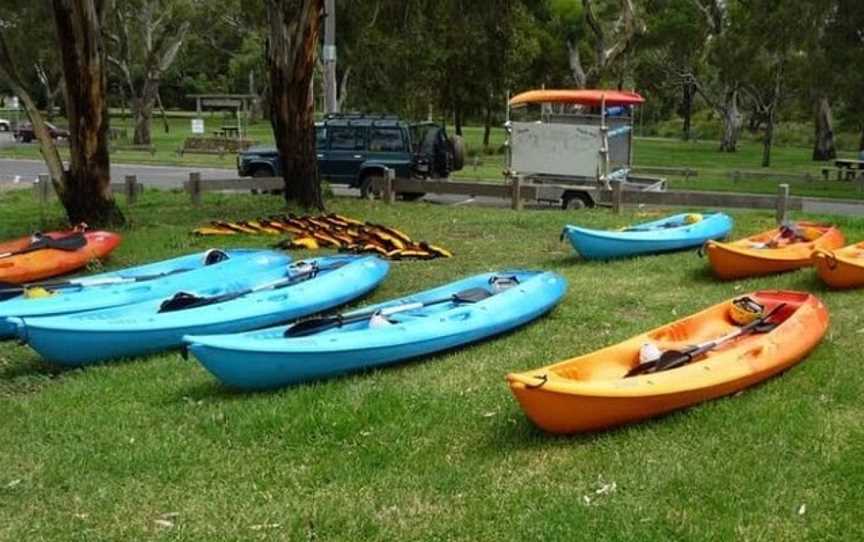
[[197, 126]]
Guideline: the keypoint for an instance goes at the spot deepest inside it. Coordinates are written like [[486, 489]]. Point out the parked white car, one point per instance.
[[5, 125]]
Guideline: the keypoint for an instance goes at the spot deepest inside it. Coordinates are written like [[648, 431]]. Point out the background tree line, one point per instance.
[[741, 64]]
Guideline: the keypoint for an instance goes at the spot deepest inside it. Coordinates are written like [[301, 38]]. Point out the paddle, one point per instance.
[[672, 359], [317, 325], [185, 300], [9, 290], [69, 242]]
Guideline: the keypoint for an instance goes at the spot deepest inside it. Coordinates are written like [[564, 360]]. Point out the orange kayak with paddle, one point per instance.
[[593, 391], [841, 268], [19, 268], [775, 251]]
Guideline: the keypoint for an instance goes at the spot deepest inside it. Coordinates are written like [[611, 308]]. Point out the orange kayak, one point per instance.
[[593, 392], [50, 262], [842, 268], [773, 251]]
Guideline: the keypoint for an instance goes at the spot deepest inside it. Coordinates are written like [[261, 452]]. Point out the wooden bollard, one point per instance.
[[516, 193], [389, 189], [42, 188], [195, 187], [782, 203], [130, 187], [617, 196]]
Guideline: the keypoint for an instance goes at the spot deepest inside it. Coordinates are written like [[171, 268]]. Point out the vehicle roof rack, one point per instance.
[[369, 116]]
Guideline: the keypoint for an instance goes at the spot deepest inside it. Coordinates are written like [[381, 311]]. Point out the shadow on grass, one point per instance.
[[27, 376]]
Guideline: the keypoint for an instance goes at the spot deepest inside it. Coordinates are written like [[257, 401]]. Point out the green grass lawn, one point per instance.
[[436, 449]]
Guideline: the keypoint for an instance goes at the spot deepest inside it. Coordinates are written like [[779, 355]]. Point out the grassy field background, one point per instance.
[[436, 449], [489, 163]]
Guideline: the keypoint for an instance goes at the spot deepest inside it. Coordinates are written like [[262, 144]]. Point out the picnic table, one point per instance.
[[228, 131], [848, 169]]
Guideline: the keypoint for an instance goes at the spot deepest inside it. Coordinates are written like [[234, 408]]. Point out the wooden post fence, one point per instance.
[[130, 188], [782, 203], [389, 192], [617, 196], [195, 187], [516, 193]]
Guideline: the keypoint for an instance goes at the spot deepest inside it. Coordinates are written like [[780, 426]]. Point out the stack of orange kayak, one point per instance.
[[843, 268], [22, 260], [783, 249], [594, 391]]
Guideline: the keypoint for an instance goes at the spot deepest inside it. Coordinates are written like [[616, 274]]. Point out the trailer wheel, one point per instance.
[[574, 201]]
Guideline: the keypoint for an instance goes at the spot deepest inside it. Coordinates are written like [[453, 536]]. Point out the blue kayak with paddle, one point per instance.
[[678, 232], [243, 302], [131, 285], [449, 316]]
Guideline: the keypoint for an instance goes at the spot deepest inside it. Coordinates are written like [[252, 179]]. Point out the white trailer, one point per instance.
[[574, 137]]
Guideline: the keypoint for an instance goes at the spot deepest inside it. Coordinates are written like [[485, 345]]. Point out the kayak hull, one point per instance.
[[739, 259], [843, 268], [266, 359], [45, 263], [590, 392], [139, 329], [75, 300], [648, 238]]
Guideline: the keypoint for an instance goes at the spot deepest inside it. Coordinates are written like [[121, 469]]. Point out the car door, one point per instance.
[[346, 152], [321, 150]]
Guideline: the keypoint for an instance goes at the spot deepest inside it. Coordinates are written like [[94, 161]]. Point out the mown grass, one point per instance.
[[436, 449]]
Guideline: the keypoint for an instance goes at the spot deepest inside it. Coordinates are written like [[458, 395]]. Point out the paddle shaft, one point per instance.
[[10, 290], [677, 358], [309, 327]]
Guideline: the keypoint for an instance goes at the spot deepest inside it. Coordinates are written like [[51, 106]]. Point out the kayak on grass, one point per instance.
[[841, 268], [786, 248], [677, 232], [604, 388], [41, 256], [445, 317], [246, 301], [131, 285]]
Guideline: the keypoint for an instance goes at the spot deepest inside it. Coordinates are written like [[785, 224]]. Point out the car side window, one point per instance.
[[320, 137], [386, 140], [346, 138]]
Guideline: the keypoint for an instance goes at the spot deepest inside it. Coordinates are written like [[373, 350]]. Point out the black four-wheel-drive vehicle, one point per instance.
[[354, 149]]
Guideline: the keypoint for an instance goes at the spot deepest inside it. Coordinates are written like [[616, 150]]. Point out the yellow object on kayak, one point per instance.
[[693, 218]]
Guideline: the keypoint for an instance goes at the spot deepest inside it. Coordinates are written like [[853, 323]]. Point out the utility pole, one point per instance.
[[331, 104]]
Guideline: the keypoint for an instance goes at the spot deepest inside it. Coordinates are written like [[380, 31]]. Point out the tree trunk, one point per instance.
[[861, 142], [291, 54], [687, 111], [823, 148], [85, 191], [487, 125], [457, 118], [731, 122], [576, 69], [142, 110], [768, 141]]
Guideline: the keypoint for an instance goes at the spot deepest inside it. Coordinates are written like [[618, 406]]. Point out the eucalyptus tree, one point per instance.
[[292, 51], [145, 37]]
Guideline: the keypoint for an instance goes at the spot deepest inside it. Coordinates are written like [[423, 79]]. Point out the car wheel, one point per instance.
[[4, 127], [366, 189], [26, 139], [259, 173]]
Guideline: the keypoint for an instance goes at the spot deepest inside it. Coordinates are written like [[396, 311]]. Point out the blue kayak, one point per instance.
[[401, 329], [137, 284], [664, 235], [243, 302]]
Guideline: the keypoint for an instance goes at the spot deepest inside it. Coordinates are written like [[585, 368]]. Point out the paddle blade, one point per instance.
[[70, 242], [315, 325]]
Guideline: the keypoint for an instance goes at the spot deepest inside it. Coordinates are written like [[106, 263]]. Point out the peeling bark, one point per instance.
[[292, 49], [731, 122], [85, 190]]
